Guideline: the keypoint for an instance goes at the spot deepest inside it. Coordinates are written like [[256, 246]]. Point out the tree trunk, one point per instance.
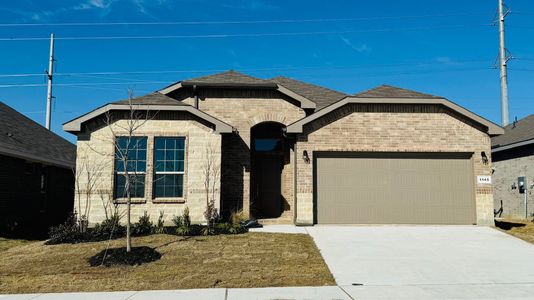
[[128, 237]]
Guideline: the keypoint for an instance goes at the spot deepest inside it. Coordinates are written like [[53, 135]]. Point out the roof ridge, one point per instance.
[[230, 71], [316, 85]]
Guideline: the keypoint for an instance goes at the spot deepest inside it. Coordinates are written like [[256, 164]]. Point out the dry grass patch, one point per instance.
[[247, 260], [10, 243], [519, 228]]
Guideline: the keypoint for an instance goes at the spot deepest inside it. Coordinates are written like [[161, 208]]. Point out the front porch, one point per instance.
[[266, 174]]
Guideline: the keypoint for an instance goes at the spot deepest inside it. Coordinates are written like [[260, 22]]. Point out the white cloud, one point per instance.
[[361, 48]]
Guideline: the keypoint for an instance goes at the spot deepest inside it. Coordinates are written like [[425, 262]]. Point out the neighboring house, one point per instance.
[[294, 152], [513, 157], [36, 177]]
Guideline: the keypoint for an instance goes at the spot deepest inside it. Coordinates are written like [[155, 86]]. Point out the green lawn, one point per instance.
[[246, 260]]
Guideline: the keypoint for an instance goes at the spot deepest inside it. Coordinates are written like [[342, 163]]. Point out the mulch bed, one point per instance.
[[119, 257]]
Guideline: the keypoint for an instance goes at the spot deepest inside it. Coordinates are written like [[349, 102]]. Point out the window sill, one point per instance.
[[168, 200], [132, 201]]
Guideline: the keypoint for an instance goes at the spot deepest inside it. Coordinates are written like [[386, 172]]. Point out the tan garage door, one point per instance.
[[394, 188]]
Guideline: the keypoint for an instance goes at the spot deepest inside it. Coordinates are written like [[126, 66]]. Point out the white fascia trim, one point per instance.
[[75, 125], [493, 129]]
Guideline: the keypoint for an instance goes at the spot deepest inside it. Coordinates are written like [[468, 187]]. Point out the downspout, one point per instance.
[[195, 94], [295, 181]]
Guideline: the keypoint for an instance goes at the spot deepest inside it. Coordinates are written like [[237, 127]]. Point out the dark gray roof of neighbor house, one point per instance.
[[521, 131], [23, 138], [155, 98], [320, 95], [388, 91], [228, 78]]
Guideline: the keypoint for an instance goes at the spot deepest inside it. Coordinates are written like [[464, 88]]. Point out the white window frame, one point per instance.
[[122, 173], [168, 172]]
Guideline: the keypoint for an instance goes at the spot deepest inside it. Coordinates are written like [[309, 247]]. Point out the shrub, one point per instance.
[[144, 226], [68, 232], [109, 228], [211, 214], [222, 228], [227, 228], [207, 230], [237, 217], [160, 228], [183, 231], [237, 229], [186, 220], [178, 221]]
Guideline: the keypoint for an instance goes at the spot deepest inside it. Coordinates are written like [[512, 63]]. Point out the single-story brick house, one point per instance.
[[513, 157], [298, 153], [36, 177]]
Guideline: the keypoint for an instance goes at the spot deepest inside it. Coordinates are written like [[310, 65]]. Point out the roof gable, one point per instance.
[[492, 128], [517, 132], [388, 91], [151, 102], [24, 138]]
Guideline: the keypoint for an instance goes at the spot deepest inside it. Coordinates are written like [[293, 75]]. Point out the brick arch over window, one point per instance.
[[269, 117]]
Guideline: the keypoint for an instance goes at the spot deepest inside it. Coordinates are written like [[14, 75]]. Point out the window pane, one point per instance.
[[168, 185], [137, 186], [135, 148], [167, 152], [267, 144]]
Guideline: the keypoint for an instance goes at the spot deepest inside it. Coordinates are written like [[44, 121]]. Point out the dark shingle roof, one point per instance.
[[151, 99], [320, 95], [229, 77], [24, 138], [388, 91], [522, 130]]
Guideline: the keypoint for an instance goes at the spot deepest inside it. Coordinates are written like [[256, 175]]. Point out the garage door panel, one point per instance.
[[412, 189]]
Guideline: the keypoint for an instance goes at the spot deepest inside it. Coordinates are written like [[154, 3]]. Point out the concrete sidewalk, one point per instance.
[[407, 292], [326, 292]]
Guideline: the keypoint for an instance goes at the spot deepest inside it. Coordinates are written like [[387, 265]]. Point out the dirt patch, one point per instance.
[[519, 228]]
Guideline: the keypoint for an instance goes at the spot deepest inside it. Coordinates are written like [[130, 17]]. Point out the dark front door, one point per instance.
[[267, 162], [268, 185]]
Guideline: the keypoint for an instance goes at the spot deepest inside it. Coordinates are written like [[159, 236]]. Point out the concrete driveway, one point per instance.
[[424, 262]]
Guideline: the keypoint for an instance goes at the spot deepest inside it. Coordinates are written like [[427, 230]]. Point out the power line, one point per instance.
[[415, 72], [218, 36], [239, 22], [83, 74], [81, 84]]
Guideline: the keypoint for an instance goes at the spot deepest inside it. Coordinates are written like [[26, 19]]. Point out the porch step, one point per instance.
[[285, 219]]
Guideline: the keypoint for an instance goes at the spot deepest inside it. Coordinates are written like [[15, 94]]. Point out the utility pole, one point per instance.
[[50, 75], [503, 61]]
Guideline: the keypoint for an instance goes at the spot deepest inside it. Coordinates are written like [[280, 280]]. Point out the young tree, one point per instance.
[[87, 180], [211, 171], [123, 127]]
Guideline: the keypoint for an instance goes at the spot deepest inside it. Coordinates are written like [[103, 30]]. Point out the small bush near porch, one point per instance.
[[247, 260]]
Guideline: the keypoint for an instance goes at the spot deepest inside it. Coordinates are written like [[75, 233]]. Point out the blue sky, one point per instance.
[[447, 48]]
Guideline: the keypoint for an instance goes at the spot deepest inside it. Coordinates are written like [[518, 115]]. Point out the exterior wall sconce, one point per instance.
[[485, 159], [305, 156]]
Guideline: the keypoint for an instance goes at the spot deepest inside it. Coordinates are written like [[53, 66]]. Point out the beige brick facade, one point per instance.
[[509, 165], [353, 127], [392, 128], [98, 151], [243, 109]]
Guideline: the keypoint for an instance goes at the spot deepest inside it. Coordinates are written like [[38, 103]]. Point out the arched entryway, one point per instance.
[[268, 151]]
